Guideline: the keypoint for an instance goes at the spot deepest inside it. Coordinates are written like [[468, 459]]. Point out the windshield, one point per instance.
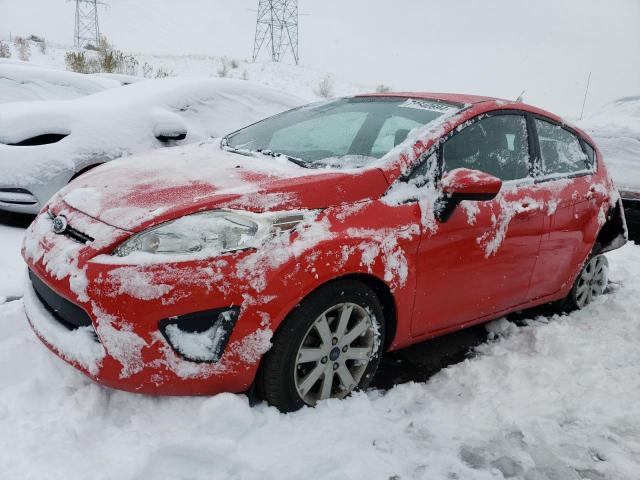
[[349, 132]]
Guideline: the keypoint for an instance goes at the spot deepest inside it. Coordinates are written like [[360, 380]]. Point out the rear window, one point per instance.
[[561, 150]]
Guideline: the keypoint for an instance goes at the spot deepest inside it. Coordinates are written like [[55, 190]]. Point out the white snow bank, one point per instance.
[[11, 263], [616, 130], [21, 82], [555, 399]]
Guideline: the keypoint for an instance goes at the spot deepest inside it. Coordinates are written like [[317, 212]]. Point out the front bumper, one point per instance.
[[124, 360], [18, 200], [123, 346]]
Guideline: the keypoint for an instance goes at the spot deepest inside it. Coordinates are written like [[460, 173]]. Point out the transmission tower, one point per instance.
[[277, 29], [87, 29]]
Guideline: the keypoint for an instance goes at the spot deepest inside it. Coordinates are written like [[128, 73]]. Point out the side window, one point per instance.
[[497, 144], [394, 131], [560, 150]]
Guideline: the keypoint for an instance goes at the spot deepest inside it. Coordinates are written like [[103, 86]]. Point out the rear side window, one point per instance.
[[561, 150], [591, 154], [496, 144]]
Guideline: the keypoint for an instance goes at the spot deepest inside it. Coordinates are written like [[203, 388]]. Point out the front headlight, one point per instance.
[[212, 232]]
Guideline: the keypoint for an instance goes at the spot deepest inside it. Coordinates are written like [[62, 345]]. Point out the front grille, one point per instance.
[[77, 235], [74, 234], [66, 313]]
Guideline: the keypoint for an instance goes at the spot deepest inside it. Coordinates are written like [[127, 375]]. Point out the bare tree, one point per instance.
[[5, 51], [325, 87]]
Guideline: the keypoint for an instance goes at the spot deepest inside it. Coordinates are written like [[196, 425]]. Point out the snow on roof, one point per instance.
[[21, 82]]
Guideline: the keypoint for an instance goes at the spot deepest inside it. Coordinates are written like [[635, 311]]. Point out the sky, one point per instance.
[[545, 48]]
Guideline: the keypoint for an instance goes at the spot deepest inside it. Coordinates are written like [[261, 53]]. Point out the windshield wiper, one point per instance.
[[273, 154], [249, 153]]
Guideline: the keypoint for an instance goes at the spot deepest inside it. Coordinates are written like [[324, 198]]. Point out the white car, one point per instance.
[[21, 82], [45, 144]]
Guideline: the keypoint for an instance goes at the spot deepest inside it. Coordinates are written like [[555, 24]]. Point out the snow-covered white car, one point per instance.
[[21, 82], [45, 144], [616, 129]]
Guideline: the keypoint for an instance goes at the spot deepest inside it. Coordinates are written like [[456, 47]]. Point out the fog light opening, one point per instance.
[[201, 336]]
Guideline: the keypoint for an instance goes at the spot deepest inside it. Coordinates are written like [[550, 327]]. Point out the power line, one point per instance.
[[277, 29]]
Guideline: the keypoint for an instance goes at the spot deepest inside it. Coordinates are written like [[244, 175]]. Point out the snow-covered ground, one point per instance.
[[11, 264], [303, 81], [554, 399]]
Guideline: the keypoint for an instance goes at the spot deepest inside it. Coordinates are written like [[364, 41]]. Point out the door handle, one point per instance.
[[526, 209]]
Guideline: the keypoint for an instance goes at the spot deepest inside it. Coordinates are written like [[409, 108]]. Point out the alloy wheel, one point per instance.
[[335, 353], [592, 280]]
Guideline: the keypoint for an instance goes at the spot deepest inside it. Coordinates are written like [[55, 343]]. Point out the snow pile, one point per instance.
[[126, 120], [21, 82], [554, 399], [616, 130], [11, 264]]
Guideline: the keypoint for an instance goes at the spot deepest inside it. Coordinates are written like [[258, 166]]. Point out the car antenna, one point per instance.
[[520, 98], [586, 91]]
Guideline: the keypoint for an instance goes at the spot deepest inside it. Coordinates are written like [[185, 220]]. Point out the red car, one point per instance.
[[292, 255]]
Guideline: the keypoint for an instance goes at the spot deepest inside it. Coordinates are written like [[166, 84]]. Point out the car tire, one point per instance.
[[590, 283], [327, 347]]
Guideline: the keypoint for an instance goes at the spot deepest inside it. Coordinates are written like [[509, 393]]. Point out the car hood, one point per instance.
[[136, 193]]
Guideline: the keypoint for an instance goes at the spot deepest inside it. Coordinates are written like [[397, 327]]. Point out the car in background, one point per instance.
[[45, 144], [616, 129], [22, 82], [289, 257]]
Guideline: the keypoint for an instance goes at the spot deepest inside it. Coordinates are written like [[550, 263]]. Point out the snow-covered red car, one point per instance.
[[292, 255]]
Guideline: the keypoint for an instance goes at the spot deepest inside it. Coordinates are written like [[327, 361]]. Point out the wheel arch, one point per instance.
[[387, 302], [84, 170], [382, 291]]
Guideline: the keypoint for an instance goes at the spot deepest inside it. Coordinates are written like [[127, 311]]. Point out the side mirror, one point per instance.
[[169, 131], [466, 184]]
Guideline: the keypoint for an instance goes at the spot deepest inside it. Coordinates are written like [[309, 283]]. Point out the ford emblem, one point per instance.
[[59, 224]]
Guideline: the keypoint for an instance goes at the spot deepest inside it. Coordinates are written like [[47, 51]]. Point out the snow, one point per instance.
[[616, 131], [550, 398], [78, 345], [11, 263], [121, 121], [21, 82], [200, 346], [553, 399]]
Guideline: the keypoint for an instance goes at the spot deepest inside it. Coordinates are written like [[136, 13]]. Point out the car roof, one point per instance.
[[481, 103], [445, 97]]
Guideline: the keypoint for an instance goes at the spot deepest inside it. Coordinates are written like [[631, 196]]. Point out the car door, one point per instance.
[[479, 261], [564, 180]]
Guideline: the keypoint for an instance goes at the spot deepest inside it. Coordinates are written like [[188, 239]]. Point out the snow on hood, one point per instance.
[[616, 130], [161, 185], [125, 120]]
